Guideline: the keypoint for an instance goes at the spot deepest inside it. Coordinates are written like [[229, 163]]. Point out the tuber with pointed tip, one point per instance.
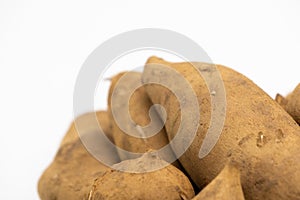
[[257, 133]]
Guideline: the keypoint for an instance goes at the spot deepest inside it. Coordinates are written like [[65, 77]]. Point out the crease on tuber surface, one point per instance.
[[258, 134], [139, 105]]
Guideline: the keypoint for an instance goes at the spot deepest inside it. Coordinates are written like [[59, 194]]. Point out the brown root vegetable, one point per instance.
[[71, 174], [138, 107], [257, 133], [291, 103], [166, 183], [87, 126], [225, 186]]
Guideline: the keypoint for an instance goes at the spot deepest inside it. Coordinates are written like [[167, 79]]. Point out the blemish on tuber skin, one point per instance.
[[245, 139], [260, 141]]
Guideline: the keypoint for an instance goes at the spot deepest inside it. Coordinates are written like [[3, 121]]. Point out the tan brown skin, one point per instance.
[[139, 106], [72, 172], [166, 183], [258, 134], [226, 186], [85, 122], [291, 103], [281, 100]]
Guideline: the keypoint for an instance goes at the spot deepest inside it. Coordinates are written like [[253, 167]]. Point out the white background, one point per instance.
[[44, 43]]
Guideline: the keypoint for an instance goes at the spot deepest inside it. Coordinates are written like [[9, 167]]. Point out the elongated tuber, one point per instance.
[[257, 134]]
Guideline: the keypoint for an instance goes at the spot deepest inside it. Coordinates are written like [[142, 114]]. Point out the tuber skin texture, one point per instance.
[[139, 105], [72, 172], [226, 186], [166, 183], [258, 135], [291, 103]]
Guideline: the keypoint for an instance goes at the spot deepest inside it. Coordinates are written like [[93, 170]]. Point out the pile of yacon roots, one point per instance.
[[256, 154]]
